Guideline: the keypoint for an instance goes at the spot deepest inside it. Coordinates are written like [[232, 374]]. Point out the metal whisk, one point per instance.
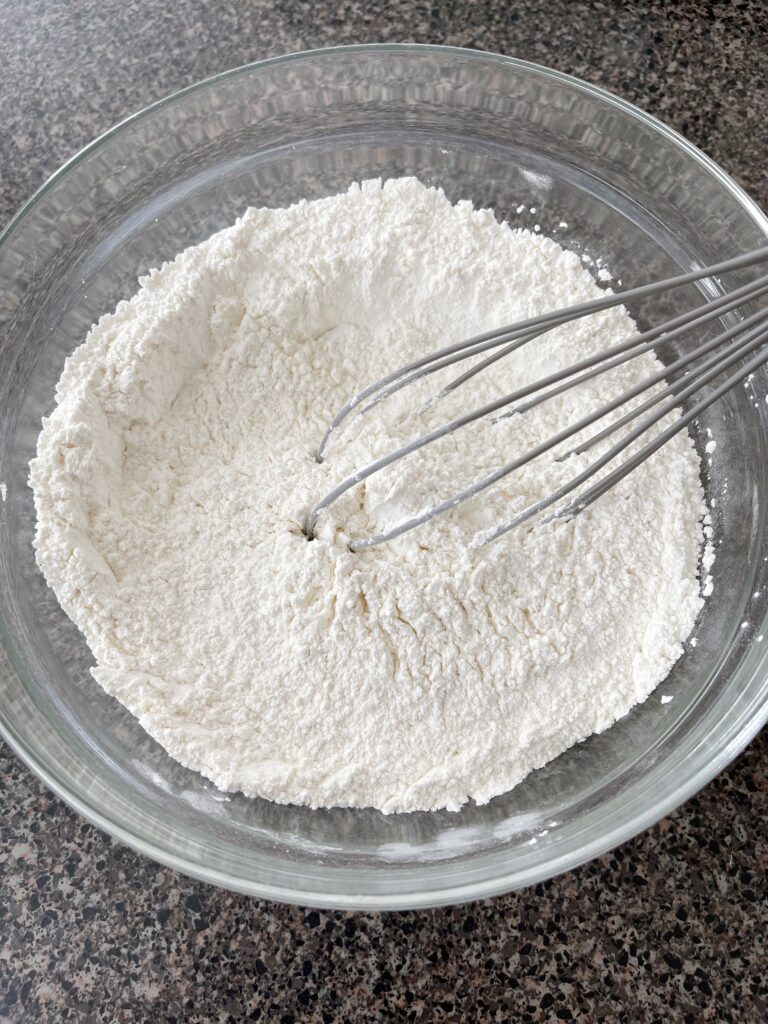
[[721, 352]]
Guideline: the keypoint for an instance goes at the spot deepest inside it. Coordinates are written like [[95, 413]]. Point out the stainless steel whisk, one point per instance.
[[724, 351]]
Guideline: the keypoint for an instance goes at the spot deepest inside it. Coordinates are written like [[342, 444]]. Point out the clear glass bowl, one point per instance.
[[604, 179]]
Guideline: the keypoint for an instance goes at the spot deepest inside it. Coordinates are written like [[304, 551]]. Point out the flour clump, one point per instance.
[[173, 477]]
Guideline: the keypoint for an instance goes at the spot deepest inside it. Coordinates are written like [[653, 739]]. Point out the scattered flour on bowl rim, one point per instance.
[[173, 477]]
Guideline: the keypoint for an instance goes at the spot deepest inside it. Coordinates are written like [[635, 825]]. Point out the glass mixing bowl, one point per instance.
[[604, 179]]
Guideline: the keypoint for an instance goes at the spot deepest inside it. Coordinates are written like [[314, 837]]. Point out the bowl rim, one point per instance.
[[500, 882]]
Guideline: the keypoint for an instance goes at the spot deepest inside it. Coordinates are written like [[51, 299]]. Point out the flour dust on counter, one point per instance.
[[173, 478]]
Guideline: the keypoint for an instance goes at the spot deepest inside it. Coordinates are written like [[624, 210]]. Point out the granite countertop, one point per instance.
[[669, 927]]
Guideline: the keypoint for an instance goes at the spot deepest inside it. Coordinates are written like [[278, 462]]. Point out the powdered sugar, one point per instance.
[[174, 475]]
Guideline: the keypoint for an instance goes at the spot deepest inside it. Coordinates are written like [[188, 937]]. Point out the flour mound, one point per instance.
[[173, 478]]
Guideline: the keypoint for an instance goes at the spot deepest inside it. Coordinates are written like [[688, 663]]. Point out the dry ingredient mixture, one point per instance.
[[174, 475]]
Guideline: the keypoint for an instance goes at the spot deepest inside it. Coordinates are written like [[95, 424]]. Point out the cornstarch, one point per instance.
[[173, 478]]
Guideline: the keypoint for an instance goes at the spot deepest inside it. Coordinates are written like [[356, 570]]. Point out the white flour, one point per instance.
[[174, 475]]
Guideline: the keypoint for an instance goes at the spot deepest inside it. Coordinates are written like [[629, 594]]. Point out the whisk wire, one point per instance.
[[499, 336], [640, 344], [673, 388], [672, 328], [738, 352], [610, 480]]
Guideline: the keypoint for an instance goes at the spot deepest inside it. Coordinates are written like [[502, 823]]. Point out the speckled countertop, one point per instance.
[[669, 927]]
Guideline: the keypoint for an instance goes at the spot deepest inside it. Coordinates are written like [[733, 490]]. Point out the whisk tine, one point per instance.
[[514, 336], [673, 388], [455, 358], [546, 321], [647, 341], [679, 394], [611, 479], [685, 321]]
